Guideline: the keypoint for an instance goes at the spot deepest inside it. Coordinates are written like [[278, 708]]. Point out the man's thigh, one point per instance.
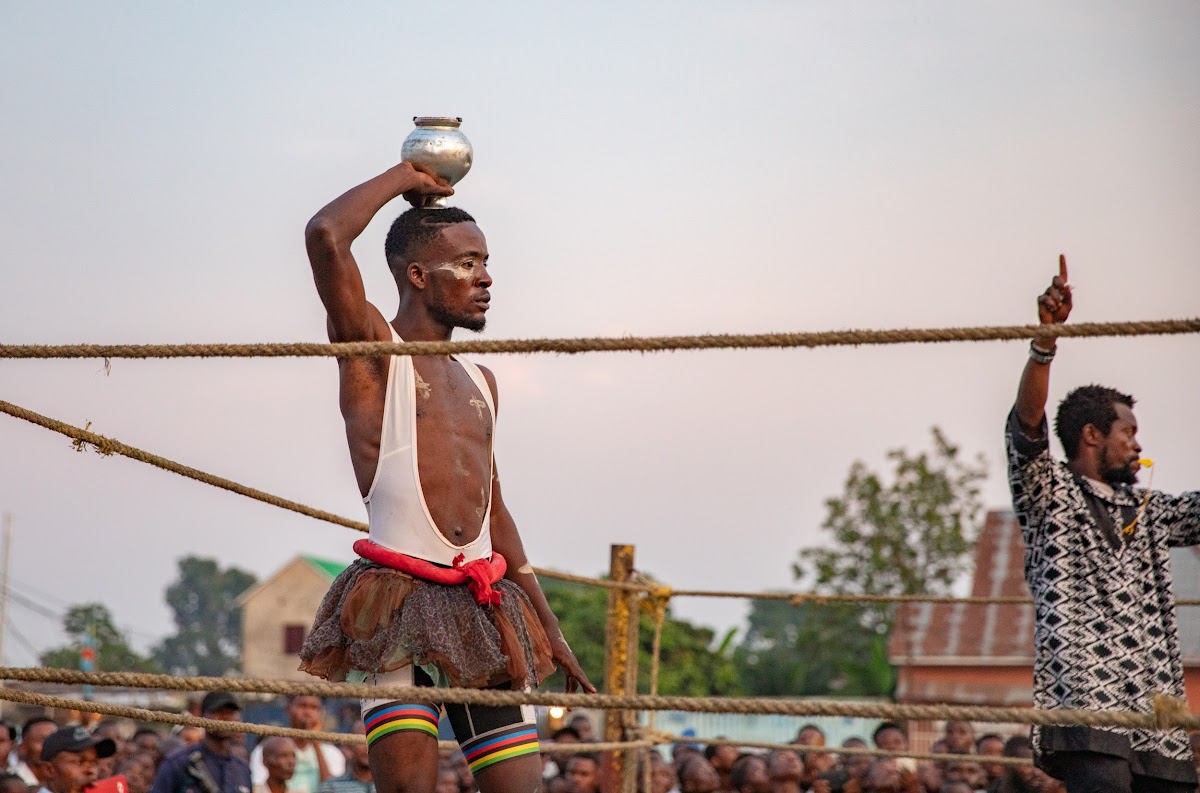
[[401, 736], [1089, 772], [500, 744]]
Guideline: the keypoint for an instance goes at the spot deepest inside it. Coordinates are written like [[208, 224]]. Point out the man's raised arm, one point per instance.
[[331, 231], [1054, 306]]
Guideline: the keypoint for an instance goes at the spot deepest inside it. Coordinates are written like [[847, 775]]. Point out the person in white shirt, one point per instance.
[[315, 762]]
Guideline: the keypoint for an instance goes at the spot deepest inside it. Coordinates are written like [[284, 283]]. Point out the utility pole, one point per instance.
[[7, 540]]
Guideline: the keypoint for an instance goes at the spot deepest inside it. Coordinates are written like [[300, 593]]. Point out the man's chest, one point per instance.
[[448, 402]]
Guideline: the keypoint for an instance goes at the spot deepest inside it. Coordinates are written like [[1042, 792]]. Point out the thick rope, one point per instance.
[[1168, 714], [265, 730], [105, 446], [837, 338], [665, 738]]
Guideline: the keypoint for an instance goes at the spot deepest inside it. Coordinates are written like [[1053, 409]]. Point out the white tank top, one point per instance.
[[398, 515]]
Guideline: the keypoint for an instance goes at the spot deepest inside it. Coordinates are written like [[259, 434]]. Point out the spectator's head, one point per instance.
[[447, 780], [890, 737], [466, 780], [856, 765], [681, 751], [33, 734], [883, 777], [279, 758], [11, 783], [721, 757], [1019, 746], [965, 770], [663, 778], [583, 773], [305, 712], [222, 706], [69, 758], [784, 765], [561, 736], [955, 787], [147, 740], [990, 745], [359, 752], [138, 770], [750, 775], [582, 725], [697, 775], [940, 746], [8, 737], [810, 735], [959, 737]]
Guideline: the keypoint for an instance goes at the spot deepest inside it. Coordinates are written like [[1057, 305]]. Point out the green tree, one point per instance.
[[812, 650], [910, 535], [690, 665], [113, 653], [907, 533], [208, 637]]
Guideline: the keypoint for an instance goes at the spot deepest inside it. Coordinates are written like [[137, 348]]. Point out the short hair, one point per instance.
[[12, 730], [741, 769], [1088, 404], [991, 736], [1018, 746], [146, 731], [561, 731], [34, 722], [887, 725], [810, 726], [418, 226], [595, 758]]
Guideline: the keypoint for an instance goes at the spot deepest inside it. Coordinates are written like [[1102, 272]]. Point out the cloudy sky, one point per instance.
[[640, 169]]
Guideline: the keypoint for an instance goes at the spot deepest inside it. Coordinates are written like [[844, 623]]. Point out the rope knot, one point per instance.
[[1169, 711]]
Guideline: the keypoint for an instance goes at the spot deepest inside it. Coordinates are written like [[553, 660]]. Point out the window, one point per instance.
[[293, 639]]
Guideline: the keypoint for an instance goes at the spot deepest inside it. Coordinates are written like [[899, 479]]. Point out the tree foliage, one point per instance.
[[113, 653], [208, 637], [910, 535], [812, 650], [907, 533], [691, 665]]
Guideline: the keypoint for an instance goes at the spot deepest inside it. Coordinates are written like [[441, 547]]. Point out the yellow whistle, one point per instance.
[[1145, 462]]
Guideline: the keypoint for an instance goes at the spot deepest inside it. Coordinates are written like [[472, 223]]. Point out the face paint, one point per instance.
[[423, 388], [460, 270]]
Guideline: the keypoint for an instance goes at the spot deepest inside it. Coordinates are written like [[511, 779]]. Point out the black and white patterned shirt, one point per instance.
[[1105, 632]]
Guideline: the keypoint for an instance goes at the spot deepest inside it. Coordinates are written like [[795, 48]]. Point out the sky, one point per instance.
[[665, 168]]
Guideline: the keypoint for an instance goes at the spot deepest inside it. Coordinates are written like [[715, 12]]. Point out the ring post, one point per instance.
[[620, 670]]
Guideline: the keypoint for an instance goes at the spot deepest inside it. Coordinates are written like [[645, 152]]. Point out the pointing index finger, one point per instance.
[[1062, 267]]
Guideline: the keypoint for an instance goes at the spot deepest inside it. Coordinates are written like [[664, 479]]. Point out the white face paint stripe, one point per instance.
[[456, 269]]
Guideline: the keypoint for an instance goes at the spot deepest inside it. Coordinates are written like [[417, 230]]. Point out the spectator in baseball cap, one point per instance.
[[69, 758], [209, 766]]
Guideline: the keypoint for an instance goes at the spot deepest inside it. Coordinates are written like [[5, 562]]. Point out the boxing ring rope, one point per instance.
[[627, 590], [725, 341]]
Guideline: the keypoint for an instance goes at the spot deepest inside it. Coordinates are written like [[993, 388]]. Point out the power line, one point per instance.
[[34, 653]]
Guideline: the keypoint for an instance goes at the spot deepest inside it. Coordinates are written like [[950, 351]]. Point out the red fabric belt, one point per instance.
[[477, 574]]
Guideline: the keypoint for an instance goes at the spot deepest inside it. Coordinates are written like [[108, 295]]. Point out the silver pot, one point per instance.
[[437, 145]]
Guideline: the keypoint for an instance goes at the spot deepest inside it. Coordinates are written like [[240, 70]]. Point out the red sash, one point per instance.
[[477, 574]]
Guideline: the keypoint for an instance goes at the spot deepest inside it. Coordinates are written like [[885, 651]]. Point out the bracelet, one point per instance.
[[1038, 355]]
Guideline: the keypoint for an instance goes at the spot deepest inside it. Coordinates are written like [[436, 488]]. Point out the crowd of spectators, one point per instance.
[[43, 757]]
